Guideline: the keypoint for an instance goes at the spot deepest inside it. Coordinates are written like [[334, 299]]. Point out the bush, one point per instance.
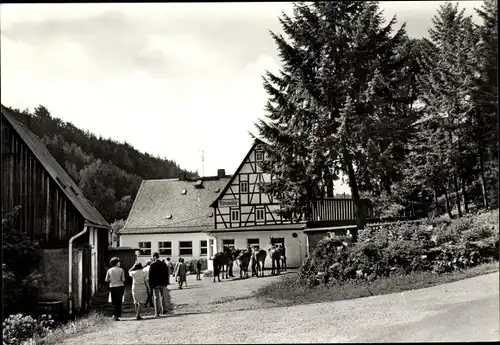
[[435, 246], [21, 257], [18, 328]]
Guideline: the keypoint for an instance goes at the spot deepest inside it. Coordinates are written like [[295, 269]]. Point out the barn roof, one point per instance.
[[174, 206], [56, 171]]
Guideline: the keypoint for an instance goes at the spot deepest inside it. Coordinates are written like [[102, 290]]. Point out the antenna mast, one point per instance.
[[202, 163]]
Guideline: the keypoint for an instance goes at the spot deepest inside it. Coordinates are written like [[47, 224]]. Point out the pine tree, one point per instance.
[[447, 88], [331, 103], [484, 98]]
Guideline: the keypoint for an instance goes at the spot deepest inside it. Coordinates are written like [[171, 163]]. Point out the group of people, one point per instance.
[[149, 283]]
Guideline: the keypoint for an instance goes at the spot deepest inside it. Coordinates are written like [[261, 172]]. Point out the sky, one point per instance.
[[171, 79]]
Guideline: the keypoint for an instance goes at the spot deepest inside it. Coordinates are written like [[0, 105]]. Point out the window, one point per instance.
[[186, 248], [165, 248], [203, 248], [259, 156], [235, 215], [253, 242], [243, 187], [227, 242], [145, 248], [260, 214]]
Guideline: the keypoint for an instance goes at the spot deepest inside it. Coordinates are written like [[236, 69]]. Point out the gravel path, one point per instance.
[[466, 310]]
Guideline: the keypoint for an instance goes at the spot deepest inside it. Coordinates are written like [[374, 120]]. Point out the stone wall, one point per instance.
[[315, 236], [55, 271]]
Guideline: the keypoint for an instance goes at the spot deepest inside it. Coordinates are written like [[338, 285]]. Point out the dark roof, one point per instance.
[[226, 187], [157, 200], [273, 227], [331, 228], [56, 171]]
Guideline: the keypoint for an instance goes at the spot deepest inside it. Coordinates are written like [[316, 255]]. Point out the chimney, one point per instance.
[[221, 173], [182, 176]]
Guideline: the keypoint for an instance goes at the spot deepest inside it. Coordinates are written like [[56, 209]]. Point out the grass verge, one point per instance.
[[287, 291], [86, 324]]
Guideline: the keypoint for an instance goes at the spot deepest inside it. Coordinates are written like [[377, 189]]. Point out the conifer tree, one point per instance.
[[446, 92], [339, 87], [485, 98]]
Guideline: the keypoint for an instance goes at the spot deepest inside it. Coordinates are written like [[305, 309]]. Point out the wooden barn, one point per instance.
[[72, 233]]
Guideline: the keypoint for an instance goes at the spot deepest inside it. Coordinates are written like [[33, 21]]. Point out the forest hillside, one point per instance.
[[108, 172]]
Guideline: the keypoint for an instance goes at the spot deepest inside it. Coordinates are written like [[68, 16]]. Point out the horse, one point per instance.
[[219, 260], [258, 260], [243, 260], [275, 260], [281, 251], [233, 254]]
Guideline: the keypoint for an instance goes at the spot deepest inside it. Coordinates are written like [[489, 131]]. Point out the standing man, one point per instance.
[[149, 300], [158, 280]]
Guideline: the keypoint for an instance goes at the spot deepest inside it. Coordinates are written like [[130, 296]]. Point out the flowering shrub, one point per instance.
[[19, 328], [404, 248]]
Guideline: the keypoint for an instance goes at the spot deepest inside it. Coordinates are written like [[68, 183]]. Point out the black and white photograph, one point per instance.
[[249, 172]]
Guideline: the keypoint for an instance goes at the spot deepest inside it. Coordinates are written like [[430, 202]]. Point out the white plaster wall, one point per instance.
[[295, 247], [129, 240]]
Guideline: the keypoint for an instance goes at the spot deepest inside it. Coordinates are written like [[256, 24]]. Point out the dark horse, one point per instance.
[[220, 260], [275, 260], [258, 260], [243, 260]]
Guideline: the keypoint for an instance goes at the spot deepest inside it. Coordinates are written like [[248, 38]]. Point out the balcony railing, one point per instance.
[[331, 209]]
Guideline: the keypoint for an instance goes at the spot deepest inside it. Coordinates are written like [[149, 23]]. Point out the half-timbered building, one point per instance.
[[246, 215], [53, 211]]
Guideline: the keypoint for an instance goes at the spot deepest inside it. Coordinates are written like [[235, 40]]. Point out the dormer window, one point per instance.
[[169, 216], [184, 191], [217, 190], [259, 156]]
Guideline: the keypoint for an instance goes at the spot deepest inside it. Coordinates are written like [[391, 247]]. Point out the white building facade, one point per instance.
[[245, 215]]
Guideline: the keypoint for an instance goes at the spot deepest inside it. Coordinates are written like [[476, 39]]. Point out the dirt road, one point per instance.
[[466, 310]]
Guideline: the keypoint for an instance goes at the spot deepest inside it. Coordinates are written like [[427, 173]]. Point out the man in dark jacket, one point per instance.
[[158, 281]]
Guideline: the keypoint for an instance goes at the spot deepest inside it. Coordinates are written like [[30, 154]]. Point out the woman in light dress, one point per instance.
[[139, 288]]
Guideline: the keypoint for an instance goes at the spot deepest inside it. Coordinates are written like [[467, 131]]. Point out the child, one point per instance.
[[116, 277], [198, 269]]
